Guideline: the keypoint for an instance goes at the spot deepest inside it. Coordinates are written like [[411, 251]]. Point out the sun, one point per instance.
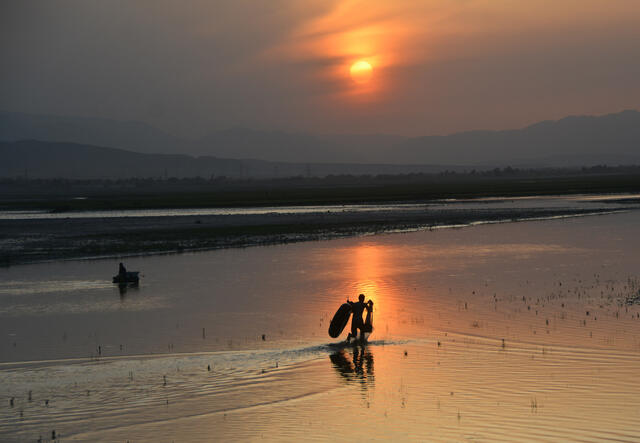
[[361, 71]]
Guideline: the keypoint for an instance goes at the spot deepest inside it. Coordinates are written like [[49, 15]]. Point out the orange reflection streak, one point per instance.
[[386, 274], [373, 265], [367, 271]]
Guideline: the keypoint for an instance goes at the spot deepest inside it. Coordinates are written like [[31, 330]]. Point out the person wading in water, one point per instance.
[[357, 308]]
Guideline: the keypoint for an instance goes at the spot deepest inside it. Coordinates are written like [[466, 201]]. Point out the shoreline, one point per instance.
[[60, 195], [41, 241]]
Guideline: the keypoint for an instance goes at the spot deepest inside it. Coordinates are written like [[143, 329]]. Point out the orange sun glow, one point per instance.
[[361, 71]]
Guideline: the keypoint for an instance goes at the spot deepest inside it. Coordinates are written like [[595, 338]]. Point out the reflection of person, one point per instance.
[[357, 308], [357, 367]]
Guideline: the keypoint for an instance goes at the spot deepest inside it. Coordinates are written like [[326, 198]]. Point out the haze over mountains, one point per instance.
[[573, 141], [37, 159], [236, 143]]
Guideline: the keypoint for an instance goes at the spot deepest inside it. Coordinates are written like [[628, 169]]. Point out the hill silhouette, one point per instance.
[[38, 159], [572, 141]]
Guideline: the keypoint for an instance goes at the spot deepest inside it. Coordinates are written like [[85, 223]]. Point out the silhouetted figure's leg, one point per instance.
[[354, 331]]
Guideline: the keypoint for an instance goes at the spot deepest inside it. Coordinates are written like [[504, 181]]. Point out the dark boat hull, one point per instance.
[[129, 277]]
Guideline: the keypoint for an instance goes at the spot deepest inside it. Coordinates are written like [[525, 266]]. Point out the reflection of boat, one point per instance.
[[129, 277], [124, 287]]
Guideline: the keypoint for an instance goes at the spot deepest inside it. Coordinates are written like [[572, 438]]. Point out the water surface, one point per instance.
[[509, 332], [572, 201]]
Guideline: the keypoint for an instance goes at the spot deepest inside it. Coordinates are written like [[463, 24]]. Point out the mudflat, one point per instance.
[[37, 236]]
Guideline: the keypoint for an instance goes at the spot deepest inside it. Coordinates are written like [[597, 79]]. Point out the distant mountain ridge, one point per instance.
[[38, 159], [571, 141], [134, 135], [238, 143]]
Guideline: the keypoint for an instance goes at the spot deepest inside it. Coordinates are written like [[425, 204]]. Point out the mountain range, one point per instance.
[[236, 143], [572, 141], [38, 159]]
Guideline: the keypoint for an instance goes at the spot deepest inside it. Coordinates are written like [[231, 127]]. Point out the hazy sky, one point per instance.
[[439, 66]]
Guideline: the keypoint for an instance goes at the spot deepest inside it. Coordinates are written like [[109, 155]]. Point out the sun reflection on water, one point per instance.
[[370, 272]]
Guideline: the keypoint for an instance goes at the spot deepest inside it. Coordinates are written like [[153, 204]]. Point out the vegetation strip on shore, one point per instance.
[[60, 195]]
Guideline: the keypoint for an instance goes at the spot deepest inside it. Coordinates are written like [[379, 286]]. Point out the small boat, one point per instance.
[[129, 277]]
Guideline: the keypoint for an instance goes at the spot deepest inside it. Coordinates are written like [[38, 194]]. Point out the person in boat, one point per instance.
[[122, 271], [357, 308]]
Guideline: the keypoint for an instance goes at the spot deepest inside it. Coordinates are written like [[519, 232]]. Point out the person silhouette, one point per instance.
[[357, 308]]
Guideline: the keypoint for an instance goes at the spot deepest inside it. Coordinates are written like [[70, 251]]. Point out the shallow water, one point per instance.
[[575, 201], [480, 333]]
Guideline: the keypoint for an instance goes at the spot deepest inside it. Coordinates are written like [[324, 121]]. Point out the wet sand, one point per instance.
[[503, 332]]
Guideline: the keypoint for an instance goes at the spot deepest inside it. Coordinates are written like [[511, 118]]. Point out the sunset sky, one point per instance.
[[436, 66]]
